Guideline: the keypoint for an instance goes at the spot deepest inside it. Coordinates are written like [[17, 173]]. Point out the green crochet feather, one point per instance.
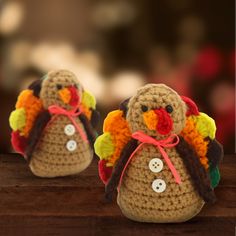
[[215, 176]]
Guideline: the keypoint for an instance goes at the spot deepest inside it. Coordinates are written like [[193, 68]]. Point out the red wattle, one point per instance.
[[74, 96], [165, 123]]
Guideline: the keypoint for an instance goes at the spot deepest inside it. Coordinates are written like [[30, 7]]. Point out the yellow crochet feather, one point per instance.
[[205, 125], [116, 135], [104, 147], [195, 132], [88, 100], [17, 119]]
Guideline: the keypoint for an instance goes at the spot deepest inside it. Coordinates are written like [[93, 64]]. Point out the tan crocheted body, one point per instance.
[[139, 202], [51, 157]]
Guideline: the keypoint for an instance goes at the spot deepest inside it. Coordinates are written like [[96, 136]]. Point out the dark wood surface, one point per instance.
[[75, 205]]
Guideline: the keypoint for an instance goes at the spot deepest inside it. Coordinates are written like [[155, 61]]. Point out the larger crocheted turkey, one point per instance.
[[160, 153], [53, 125]]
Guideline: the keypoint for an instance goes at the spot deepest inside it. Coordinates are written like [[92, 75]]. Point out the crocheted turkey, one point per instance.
[[161, 154], [53, 125]]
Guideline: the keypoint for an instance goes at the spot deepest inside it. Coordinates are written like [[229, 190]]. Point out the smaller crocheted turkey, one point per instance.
[[53, 125], [161, 155]]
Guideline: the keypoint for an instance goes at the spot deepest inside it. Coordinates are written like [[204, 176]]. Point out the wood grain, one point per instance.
[[75, 205]]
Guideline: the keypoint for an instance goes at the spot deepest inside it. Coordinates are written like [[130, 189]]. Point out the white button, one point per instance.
[[159, 185], [156, 165], [71, 145], [69, 130]]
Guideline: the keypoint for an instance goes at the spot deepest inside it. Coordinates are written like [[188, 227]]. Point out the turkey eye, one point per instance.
[[144, 108], [169, 108], [59, 86], [77, 86]]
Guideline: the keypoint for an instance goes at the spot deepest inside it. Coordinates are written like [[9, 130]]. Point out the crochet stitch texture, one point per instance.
[[54, 144], [157, 184], [136, 198]]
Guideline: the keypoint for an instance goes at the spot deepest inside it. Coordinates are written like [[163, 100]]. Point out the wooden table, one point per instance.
[[76, 206]]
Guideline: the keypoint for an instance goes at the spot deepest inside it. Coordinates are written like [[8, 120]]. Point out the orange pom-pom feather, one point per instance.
[[32, 106], [118, 127], [195, 139]]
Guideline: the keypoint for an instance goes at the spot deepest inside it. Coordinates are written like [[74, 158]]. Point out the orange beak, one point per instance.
[[150, 119], [158, 120], [69, 96], [65, 95]]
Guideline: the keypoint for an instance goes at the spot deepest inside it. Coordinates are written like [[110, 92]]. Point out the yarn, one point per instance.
[[35, 135], [57, 137], [117, 126], [139, 202], [104, 147], [199, 176], [49, 90], [160, 144], [215, 153], [94, 118], [50, 158], [165, 123], [124, 106], [17, 119], [88, 100], [19, 142], [88, 105], [158, 112], [215, 176], [118, 168], [150, 118], [32, 106], [36, 87], [196, 140], [205, 125], [87, 111], [156, 97], [56, 111], [104, 171], [89, 129], [65, 95], [75, 97], [192, 107]]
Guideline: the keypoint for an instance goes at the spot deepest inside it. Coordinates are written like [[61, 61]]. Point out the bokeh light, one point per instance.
[[116, 46]]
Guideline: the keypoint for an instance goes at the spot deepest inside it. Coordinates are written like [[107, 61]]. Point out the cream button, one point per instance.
[[69, 130], [71, 145], [155, 165], [159, 185]]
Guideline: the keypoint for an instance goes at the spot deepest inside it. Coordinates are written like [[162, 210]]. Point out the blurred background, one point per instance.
[[116, 46]]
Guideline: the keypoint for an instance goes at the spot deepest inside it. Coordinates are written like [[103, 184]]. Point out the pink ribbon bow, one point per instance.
[[160, 144], [71, 115]]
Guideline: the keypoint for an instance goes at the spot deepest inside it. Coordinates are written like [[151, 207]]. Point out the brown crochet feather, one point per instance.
[[215, 152], [88, 129], [114, 180], [197, 172], [36, 132], [36, 87], [124, 106], [95, 118]]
